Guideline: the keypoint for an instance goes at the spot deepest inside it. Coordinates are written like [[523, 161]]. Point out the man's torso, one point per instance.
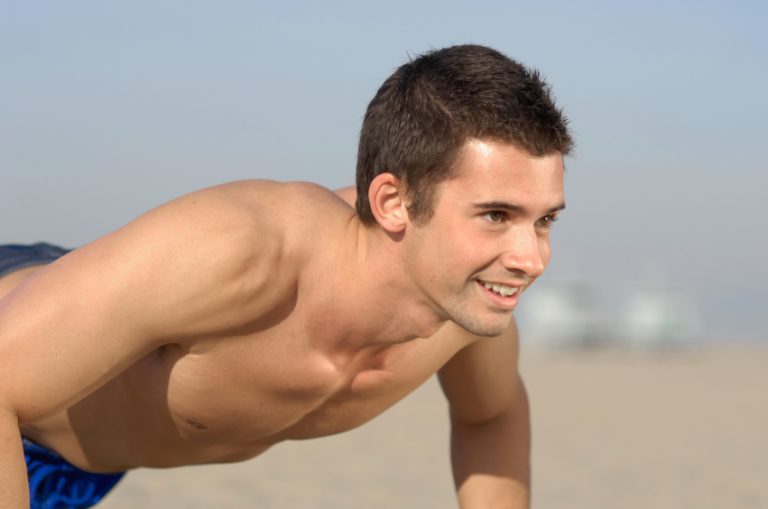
[[229, 396]]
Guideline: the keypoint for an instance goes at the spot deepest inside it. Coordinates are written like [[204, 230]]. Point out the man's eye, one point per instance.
[[494, 216], [547, 220]]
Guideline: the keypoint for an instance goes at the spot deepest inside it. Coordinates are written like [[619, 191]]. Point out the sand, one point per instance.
[[612, 429]]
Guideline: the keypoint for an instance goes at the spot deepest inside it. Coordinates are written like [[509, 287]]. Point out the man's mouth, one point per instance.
[[500, 289]]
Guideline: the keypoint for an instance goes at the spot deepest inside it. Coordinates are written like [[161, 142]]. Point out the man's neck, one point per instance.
[[371, 302]]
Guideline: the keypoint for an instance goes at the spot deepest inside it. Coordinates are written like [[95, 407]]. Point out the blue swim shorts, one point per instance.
[[54, 483], [17, 256]]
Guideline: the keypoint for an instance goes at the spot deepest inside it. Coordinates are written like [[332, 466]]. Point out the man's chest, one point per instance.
[[271, 387]]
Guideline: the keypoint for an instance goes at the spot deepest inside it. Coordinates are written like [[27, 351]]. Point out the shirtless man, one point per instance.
[[233, 318]]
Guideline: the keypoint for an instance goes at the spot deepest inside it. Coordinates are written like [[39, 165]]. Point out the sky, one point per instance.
[[108, 109]]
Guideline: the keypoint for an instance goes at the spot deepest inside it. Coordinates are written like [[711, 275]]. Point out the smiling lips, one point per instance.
[[503, 290]]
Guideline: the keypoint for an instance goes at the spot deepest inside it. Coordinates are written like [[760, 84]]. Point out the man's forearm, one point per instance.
[[491, 461], [14, 492]]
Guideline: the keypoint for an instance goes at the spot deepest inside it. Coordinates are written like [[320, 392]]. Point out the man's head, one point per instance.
[[430, 107]]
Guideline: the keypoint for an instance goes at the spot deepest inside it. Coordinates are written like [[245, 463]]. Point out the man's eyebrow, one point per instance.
[[512, 207]]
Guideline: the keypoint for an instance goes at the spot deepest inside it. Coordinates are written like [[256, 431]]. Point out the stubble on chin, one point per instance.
[[479, 326], [484, 329]]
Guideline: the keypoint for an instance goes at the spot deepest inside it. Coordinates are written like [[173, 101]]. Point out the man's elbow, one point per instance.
[[9, 418]]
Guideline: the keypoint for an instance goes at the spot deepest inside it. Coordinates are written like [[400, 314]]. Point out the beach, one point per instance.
[[612, 428]]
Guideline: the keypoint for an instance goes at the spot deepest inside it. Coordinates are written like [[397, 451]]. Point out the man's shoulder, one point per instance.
[[260, 206], [249, 223], [225, 252], [274, 200], [285, 219]]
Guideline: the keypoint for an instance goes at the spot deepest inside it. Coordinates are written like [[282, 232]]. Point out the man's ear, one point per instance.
[[386, 194]]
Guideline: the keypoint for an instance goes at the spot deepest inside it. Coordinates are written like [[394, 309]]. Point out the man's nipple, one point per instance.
[[197, 424]]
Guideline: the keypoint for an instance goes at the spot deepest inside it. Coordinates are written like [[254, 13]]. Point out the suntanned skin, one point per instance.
[[239, 316]]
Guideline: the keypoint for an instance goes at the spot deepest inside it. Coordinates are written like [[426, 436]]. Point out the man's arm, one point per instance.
[[13, 481], [490, 425], [184, 270]]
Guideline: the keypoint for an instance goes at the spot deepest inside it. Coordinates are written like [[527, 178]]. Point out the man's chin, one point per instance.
[[487, 328]]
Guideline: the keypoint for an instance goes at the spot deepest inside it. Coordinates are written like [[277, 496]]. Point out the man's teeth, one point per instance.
[[505, 291]]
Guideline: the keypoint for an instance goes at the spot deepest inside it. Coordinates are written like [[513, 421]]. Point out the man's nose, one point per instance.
[[525, 253]]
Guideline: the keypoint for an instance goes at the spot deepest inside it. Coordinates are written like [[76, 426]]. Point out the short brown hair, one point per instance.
[[430, 107]]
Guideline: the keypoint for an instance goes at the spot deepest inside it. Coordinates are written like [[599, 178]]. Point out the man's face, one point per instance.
[[488, 238]]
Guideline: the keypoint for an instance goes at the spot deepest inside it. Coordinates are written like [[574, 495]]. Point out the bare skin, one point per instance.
[[236, 317]]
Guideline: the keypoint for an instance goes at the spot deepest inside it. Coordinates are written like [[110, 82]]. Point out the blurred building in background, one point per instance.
[[579, 316]]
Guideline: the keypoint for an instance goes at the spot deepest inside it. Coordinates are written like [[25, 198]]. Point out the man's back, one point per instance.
[[255, 357]]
